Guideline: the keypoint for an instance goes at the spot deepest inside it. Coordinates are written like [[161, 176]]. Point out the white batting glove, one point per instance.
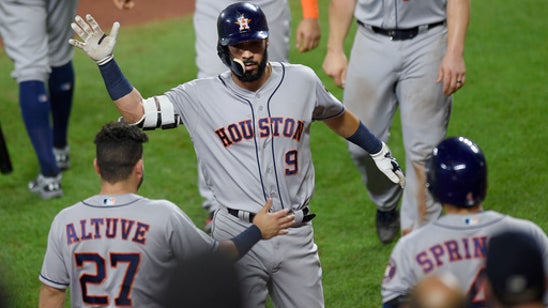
[[95, 43], [388, 165]]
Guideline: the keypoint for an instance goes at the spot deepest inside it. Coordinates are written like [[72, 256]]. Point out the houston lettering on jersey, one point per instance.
[[109, 228], [451, 251], [272, 126]]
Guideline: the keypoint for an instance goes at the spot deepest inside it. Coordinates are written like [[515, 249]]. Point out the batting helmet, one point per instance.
[[237, 23], [457, 173]]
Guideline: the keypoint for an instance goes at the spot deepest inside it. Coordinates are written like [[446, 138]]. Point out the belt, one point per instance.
[[301, 216], [402, 34]]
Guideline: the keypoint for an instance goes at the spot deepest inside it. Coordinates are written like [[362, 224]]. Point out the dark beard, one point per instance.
[[250, 76]]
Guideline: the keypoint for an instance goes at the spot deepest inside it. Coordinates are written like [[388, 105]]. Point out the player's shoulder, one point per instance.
[[524, 225], [159, 206], [293, 68], [164, 203], [416, 236], [295, 71], [69, 209], [105, 202], [200, 84], [510, 221]]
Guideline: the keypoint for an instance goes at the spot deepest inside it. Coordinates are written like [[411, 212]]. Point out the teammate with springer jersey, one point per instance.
[[251, 131], [118, 248], [456, 242]]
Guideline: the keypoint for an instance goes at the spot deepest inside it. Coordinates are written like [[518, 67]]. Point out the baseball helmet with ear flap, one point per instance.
[[457, 173], [237, 23]]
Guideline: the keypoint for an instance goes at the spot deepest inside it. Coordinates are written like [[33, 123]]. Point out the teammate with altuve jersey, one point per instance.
[[118, 248]]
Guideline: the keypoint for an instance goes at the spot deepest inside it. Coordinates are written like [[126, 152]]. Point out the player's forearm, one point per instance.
[[344, 125], [228, 249], [51, 297], [130, 107], [352, 129], [341, 15], [458, 17], [240, 244], [126, 98]]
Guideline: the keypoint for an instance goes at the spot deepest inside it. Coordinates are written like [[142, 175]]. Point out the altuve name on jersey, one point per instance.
[[107, 228]]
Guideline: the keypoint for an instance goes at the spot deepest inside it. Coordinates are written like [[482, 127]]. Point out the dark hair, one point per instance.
[[119, 146]]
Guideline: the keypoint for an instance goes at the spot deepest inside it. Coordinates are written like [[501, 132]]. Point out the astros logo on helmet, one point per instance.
[[233, 27]]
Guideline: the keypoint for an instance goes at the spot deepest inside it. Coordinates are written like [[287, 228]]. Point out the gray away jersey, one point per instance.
[[256, 145], [119, 250], [455, 243]]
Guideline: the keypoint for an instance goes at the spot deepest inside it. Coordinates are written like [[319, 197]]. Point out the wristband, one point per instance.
[[245, 240], [115, 81], [366, 140], [310, 9]]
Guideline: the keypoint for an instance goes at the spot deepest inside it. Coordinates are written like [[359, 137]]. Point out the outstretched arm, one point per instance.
[[352, 129], [99, 47]]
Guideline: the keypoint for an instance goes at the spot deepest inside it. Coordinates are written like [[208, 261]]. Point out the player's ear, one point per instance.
[[139, 167], [96, 166]]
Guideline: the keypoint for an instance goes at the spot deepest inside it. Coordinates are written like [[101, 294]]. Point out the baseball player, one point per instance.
[[34, 34], [406, 54], [118, 248], [457, 241], [279, 16], [250, 127], [278, 12]]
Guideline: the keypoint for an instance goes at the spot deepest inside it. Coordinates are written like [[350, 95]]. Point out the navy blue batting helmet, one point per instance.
[[457, 173], [237, 23]]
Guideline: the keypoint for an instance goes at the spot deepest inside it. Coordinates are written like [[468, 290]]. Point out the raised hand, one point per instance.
[[94, 42]]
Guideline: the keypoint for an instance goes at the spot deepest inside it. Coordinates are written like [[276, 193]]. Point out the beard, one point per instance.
[[254, 76]]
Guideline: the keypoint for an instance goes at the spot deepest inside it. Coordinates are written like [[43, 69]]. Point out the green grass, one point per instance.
[[503, 107]]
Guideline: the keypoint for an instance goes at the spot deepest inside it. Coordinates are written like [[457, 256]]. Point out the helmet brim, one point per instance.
[[243, 37]]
